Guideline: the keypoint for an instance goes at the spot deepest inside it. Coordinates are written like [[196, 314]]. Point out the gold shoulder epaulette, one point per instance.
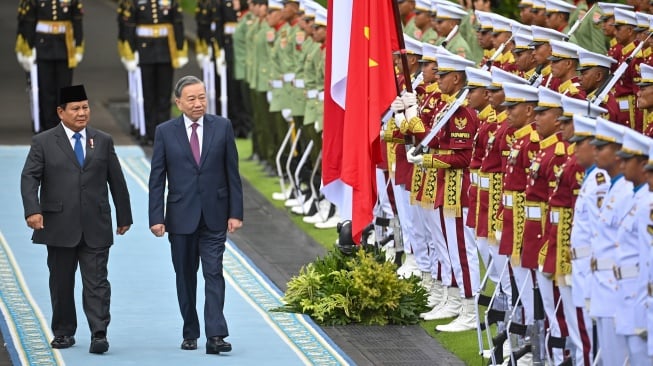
[[560, 149], [535, 137]]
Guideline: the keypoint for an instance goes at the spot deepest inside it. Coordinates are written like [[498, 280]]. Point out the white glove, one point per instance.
[[411, 112], [26, 62], [397, 105], [78, 57], [268, 96], [201, 58], [182, 61], [287, 114], [414, 159], [220, 59], [497, 235], [130, 65], [409, 99], [317, 126], [390, 252]]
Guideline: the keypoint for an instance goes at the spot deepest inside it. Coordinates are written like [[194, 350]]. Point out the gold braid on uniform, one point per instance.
[[563, 262], [453, 181], [415, 125], [416, 182], [429, 188], [518, 221], [432, 162], [494, 197]]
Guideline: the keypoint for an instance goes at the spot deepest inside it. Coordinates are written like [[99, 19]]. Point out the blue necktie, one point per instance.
[[79, 150]]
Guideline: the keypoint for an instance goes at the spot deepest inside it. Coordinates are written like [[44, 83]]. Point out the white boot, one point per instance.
[[282, 196], [409, 268], [465, 321], [321, 215], [331, 223], [304, 208], [427, 281], [435, 294], [448, 308]]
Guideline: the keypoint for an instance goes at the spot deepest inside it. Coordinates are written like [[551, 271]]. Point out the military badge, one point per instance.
[[300, 37], [649, 227], [599, 202], [600, 178], [460, 122]]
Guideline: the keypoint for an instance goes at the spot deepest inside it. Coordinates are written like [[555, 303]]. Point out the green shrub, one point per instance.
[[363, 289]]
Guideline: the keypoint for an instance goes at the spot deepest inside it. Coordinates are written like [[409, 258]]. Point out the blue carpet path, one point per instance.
[[145, 327]]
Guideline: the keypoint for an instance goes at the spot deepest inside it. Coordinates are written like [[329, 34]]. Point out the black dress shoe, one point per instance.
[[62, 342], [99, 345], [215, 345], [189, 344]]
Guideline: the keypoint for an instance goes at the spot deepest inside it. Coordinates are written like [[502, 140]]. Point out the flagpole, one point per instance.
[[402, 48]]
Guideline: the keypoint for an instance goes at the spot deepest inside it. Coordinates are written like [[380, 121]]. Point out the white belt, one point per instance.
[[484, 182], [276, 84], [311, 94], [320, 96], [507, 200], [151, 32], [601, 264], [554, 217], [50, 28], [288, 77], [299, 83], [533, 212], [581, 252], [625, 272], [229, 28], [474, 178]]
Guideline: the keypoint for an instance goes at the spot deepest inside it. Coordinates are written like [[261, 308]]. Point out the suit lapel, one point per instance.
[[207, 139], [90, 147], [182, 139], [64, 144]]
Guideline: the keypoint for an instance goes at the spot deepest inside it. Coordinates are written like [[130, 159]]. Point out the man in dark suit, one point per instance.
[[196, 153], [64, 185]]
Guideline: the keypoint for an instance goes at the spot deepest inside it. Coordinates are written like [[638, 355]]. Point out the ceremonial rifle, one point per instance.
[[609, 84], [498, 52], [450, 36], [577, 23]]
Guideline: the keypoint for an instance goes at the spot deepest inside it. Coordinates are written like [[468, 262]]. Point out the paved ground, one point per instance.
[[269, 238]]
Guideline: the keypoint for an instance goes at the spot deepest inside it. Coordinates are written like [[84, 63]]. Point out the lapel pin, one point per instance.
[[90, 142]]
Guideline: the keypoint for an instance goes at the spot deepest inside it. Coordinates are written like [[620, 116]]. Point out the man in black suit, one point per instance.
[[196, 154], [65, 188]]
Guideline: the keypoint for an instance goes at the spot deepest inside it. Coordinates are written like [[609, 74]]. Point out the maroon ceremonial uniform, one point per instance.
[[491, 171], [555, 256], [571, 88], [488, 125], [625, 90], [523, 149], [539, 187]]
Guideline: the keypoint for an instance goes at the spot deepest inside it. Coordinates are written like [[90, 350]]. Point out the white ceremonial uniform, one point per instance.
[[603, 289], [632, 244], [592, 192]]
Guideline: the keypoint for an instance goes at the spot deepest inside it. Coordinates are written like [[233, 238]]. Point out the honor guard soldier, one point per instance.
[[539, 13], [50, 41], [453, 150], [632, 243], [645, 97], [479, 100], [625, 89], [557, 15], [406, 12], [608, 26], [153, 39], [446, 18], [602, 292], [502, 29], [564, 64], [520, 101], [594, 72], [423, 30], [593, 187], [649, 275], [589, 34], [526, 16], [484, 35], [523, 53], [545, 166], [541, 38], [427, 230]]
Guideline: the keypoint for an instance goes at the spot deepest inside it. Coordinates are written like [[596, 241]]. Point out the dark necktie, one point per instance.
[[195, 143], [79, 150]]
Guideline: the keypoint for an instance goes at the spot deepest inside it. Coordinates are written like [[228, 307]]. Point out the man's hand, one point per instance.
[[158, 230], [233, 225], [35, 221], [122, 229]]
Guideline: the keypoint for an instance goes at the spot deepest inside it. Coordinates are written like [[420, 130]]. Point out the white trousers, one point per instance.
[[463, 254], [579, 326]]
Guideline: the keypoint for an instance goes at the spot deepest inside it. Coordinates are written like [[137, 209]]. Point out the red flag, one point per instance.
[[351, 137]]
